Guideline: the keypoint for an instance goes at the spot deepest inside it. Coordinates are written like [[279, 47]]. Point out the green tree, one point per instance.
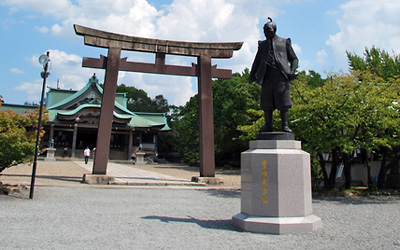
[[322, 121], [312, 78], [350, 112], [342, 114], [160, 104], [138, 100], [378, 62], [185, 126], [231, 99], [18, 136], [387, 67]]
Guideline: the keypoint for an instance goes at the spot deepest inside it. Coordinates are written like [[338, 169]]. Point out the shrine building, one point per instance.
[[74, 119]]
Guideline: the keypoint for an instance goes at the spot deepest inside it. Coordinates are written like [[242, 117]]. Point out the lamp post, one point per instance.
[[44, 60]]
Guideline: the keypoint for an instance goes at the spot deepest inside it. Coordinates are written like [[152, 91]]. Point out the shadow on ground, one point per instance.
[[49, 177], [210, 224], [224, 193], [179, 167], [225, 171]]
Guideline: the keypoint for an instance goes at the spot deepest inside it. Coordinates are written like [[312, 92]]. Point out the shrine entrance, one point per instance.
[[113, 63]]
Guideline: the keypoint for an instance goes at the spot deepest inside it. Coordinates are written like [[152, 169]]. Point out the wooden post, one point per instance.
[[73, 146], [206, 119], [106, 113], [204, 71]]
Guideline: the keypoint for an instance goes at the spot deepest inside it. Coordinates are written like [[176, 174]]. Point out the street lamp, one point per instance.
[[44, 60]]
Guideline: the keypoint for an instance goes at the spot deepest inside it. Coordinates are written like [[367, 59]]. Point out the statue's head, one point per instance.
[[270, 29]]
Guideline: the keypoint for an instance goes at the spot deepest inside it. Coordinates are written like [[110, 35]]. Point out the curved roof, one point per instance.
[[71, 114], [71, 107]]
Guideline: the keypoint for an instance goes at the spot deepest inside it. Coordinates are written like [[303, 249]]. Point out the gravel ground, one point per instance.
[[68, 173], [110, 217]]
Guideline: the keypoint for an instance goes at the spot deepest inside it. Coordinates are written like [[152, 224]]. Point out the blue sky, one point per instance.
[[321, 31]]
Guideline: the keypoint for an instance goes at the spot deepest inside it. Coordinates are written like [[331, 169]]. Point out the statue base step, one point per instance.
[[277, 225], [98, 179], [276, 193], [208, 180], [274, 136]]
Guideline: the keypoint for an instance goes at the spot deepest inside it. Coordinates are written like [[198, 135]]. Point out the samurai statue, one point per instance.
[[274, 66]]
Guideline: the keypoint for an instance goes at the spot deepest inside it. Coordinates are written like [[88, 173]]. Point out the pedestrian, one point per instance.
[[134, 151], [65, 152], [86, 153]]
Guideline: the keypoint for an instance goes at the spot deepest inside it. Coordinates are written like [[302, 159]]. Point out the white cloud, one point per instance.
[[296, 48], [366, 23], [67, 68], [188, 20], [32, 89], [176, 89], [131, 17], [304, 64], [332, 12], [48, 7], [56, 29], [42, 29], [322, 57], [17, 71]]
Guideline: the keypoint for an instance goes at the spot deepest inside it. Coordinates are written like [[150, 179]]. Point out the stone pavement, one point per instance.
[[67, 214], [129, 175], [64, 172], [171, 217]]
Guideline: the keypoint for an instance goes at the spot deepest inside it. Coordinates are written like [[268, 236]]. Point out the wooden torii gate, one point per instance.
[[113, 64]]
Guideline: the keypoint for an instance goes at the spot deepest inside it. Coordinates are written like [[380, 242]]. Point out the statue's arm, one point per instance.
[[253, 71], [294, 61], [254, 67]]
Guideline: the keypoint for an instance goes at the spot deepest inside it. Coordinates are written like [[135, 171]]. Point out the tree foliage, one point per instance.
[[18, 136], [387, 67], [341, 115], [139, 101], [185, 126], [337, 115], [376, 61], [350, 112], [231, 99]]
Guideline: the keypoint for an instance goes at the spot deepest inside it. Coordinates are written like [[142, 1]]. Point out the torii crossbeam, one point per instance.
[[113, 63]]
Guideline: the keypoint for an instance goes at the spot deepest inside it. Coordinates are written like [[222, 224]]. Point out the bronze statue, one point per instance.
[[274, 66]]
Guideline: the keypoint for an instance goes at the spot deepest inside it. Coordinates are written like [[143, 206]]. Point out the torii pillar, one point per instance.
[[113, 64]]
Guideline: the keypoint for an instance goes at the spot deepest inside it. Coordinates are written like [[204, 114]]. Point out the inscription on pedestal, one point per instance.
[[264, 183], [276, 189]]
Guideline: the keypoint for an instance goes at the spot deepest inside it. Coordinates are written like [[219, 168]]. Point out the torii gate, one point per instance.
[[113, 63]]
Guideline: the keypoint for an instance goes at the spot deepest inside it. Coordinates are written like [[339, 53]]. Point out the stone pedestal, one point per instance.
[[276, 189], [50, 154], [140, 158], [100, 179], [208, 180]]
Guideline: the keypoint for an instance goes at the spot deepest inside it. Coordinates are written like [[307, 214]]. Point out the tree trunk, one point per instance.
[[332, 174], [347, 170], [367, 164], [382, 170], [386, 167], [324, 172]]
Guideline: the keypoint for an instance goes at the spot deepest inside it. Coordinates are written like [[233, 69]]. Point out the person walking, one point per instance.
[[86, 153]]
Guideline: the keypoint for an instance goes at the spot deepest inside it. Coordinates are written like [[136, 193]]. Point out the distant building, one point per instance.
[[74, 118]]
